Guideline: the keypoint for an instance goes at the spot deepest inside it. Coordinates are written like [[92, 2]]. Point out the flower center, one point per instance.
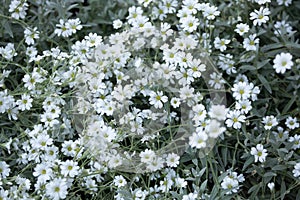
[[284, 63], [259, 153]]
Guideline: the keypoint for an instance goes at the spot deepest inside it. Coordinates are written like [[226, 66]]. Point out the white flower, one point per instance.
[[191, 5], [190, 196], [62, 29], [145, 3], [241, 29], [214, 129], [7, 101], [115, 161], [30, 80], [120, 181], [117, 24], [218, 112], [42, 141], [4, 170], [190, 23], [271, 186], [260, 16], [43, 171], [157, 163], [284, 2], [230, 184], [282, 27], [243, 105], [25, 103], [227, 63], [216, 80], [48, 119], [175, 102], [261, 2], [198, 139], [93, 39], [69, 168], [282, 62], [211, 12], [157, 99], [180, 182], [18, 9], [172, 160], [235, 119], [57, 189], [3, 194], [8, 52], [241, 90], [147, 156], [254, 91], [23, 183], [250, 43], [296, 170], [166, 184], [169, 55], [296, 141], [269, 121], [134, 13], [199, 112], [30, 35], [281, 134], [108, 133], [73, 25], [221, 43], [259, 153], [291, 123], [31, 52]]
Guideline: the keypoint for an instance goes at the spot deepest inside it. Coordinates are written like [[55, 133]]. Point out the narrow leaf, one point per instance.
[[266, 84]]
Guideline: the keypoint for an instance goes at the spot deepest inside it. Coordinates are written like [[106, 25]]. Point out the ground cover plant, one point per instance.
[[149, 99]]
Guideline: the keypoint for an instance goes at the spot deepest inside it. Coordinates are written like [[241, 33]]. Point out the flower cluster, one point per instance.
[[67, 28], [149, 99], [231, 182]]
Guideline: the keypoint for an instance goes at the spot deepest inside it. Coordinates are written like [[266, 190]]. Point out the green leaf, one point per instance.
[[7, 28], [298, 195], [282, 190], [269, 174], [248, 162], [292, 45], [203, 186], [271, 46], [248, 67], [214, 193], [175, 194], [263, 63], [202, 171], [279, 167], [186, 158], [254, 189], [266, 84], [289, 104], [224, 155]]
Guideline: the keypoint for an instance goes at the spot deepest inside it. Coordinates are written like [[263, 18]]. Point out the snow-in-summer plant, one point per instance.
[[148, 99]]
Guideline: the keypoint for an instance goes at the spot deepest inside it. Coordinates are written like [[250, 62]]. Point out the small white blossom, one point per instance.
[[260, 16], [292, 123], [282, 62], [269, 122], [296, 170], [259, 153]]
